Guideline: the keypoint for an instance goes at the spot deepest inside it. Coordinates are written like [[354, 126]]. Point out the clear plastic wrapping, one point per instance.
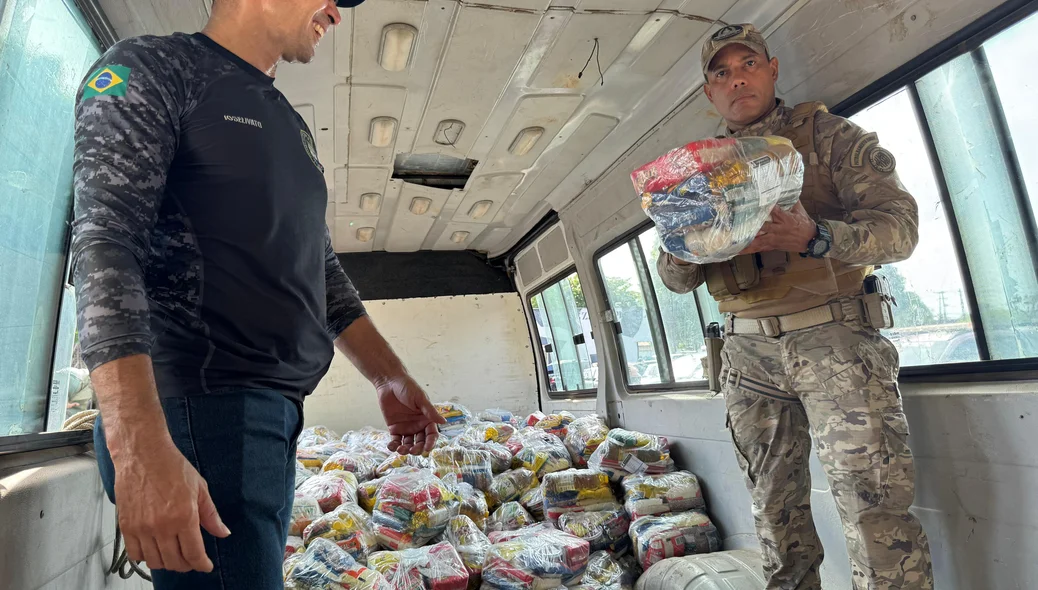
[[650, 495], [349, 527], [535, 557], [325, 566], [534, 418], [396, 461], [305, 510], [603, 529], [412, 508], [515, 443], [511, 485], [368, 437], [583, 436], [294, 545], [606, 572], [313, 458], [533, 501], [470, 465], [302, 473], [542, 453], [576, 490], [331, 489], [510, 516], [316, 436], [457, 417], [360, 463], [436, 567], [656, 538], [497, 432], [709, 198], [500, 456], [555, 423], [473, 504], [498, 415], [626, 452], [470, 542]]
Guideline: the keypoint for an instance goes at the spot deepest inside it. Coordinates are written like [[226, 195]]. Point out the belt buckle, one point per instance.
[[731, 377], [770, 327]]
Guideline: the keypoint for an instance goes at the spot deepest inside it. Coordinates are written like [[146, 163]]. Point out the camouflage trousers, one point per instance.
[[836, 383]]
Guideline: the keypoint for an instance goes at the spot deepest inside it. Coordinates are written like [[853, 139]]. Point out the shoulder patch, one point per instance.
[[861, 148], [108, 81], [882, 160]]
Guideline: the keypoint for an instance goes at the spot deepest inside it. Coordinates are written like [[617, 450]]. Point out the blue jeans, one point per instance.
[[243, 444]]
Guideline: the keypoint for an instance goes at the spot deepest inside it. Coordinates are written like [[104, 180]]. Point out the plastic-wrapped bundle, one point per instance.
[[437, 567], [583, 436], [313, 458], [656, 538], [649, 495], [576, 490], [367, 436], [498, 415], [710, 198], [534, 418], [367, 493], [471, 544], [533, 501], [473, 504], [396, 460], [555, 423], [497, 432], [535, 557], [289, 563], [457, 417], [294, 545], [626, 452], [515, 443], [359, 463], [603, 529], [331, 489], [511, 485], [315, 436], [472, 466], [542, 453], [510, 516], [500, 456], [412, 508], [302, 473], [324, 566], [305, 510], [606, 572], [349, 527]]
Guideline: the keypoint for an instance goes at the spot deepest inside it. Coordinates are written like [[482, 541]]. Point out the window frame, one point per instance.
[[536, 338]]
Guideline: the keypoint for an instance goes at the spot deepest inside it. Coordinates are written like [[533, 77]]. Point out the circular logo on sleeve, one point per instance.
[[882, 160], [311, 149]]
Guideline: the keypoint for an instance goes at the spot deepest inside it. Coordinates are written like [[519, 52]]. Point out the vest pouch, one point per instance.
[[728, 279]]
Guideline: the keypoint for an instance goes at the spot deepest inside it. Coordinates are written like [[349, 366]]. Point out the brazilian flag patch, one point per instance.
[[108, 81]]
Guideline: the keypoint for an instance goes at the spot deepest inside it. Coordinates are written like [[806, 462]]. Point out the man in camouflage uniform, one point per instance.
[[803, 355]]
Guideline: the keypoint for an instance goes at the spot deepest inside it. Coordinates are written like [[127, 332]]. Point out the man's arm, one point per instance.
[[409, 414], [126, 132], [679, 276]]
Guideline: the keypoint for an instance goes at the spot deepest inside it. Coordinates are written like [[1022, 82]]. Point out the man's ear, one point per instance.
[[774, 68], [708, 91]]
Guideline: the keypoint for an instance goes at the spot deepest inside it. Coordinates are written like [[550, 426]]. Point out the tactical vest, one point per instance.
[[785, 282]]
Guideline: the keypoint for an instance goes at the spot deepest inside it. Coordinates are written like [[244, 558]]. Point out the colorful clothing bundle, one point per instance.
[[324, 566], [583, 436], [626, 452], [396, 460], [470, 543], [649, 495], [603, 529], [349, 527], [510, 516], [555, 423], [473, 504], [656, 538], [542, 453], [457, 417], [359, 463], [305, 510], [436, 567], [471, 466], [331, 489], [535, 557], [498, 415], [576, 490], [533, 501], [294, 545], [710, 198], [511, 485], [606, 572], [412, 508]]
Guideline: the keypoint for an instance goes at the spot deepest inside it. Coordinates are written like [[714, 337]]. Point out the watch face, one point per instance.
[[819, 247]]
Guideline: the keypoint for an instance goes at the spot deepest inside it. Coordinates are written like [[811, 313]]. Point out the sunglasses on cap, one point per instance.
[[347, 3]]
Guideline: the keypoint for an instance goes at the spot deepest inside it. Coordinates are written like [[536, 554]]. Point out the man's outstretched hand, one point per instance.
[[410, 416]]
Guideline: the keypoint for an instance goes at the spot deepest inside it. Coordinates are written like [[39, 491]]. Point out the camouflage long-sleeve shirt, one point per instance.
[[884, 218], [199, 235]]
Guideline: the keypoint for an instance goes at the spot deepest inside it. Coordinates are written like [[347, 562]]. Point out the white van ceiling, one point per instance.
[[494, 69]]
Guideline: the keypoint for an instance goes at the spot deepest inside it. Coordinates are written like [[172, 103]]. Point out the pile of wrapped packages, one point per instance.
[[501, 503], [709, 198]]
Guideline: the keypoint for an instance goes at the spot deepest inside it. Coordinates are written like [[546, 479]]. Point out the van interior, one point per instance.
[[478, 158]]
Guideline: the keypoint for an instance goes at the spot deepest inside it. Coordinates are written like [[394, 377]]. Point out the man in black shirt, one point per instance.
[[209, 296]]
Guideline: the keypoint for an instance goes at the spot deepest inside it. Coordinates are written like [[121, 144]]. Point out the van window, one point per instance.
[[566, 339]]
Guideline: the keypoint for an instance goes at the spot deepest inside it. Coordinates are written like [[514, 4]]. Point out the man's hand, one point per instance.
[[788, 231], [162, 502], [409, 414]]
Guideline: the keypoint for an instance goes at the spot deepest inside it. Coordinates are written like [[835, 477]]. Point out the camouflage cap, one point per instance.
[[744, 34]]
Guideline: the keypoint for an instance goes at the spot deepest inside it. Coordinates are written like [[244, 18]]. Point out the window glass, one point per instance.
[[45, 50], [566, 339], [639, 348], [959, 110], [680, 316], [547, 343], [932, 310]]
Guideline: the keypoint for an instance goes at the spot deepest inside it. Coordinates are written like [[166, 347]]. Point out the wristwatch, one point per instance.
[[819, 245]]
